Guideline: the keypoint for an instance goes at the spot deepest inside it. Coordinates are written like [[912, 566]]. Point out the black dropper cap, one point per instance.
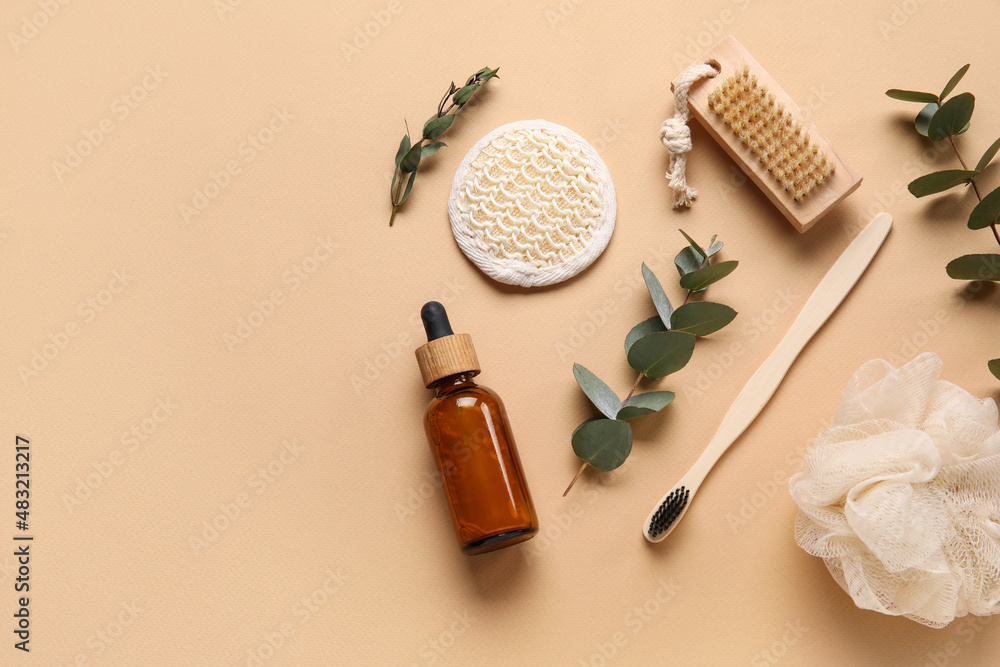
[[435, 320]]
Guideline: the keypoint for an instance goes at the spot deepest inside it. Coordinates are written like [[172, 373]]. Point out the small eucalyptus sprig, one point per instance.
[[655, 348], [941, 120], [409, 155]]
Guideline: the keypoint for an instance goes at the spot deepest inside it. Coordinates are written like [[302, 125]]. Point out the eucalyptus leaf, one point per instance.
[[404, 145], [701, 318], [923, 120], [691, 241], [702, 278], [987, 212], [486, 74], [436, 125], [950, 86], [600, 394], [687, 261], [464, 93], [952, 117], [714, 247], [645, 404], [644, 328], [409, 186], [657, 355], [939, 181], [411, 159], [660, 300], [603, 443], [975, 267], [994, 366], [911, 95], [431, 148], [988, 155]]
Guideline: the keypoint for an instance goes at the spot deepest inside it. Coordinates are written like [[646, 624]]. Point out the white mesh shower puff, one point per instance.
[[901, 495], [532, 204]]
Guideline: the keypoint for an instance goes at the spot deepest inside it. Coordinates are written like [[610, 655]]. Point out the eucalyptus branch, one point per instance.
[[655, 348], [409, 154], [942, 119]]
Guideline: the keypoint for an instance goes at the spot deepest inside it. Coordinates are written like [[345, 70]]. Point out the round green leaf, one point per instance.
[[645, 404], [660, 354], [939, 181], [660, 300], [701, 318], [603, 443], [975, 267], [644, 328], [702, 278], [923, 119], [994, 366], [952, 117], [687, 261], [953, 82], [601, 395], [987, 212], [436, 125], [911, 95]]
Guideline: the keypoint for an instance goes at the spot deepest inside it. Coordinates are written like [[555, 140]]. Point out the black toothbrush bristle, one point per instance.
[[668, 511]]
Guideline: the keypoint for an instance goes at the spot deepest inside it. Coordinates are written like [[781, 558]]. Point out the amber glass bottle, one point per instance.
[[470, 438]]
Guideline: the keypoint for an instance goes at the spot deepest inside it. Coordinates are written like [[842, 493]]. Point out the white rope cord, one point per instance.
[[676, 135], [532, 204]]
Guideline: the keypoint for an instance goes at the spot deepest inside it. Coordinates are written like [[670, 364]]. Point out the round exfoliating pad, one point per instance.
[[532, 204]]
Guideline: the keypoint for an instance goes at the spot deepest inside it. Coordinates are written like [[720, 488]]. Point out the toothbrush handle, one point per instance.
[[831, 290]]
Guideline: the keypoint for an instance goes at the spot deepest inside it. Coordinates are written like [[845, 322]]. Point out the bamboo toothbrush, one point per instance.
[[835, 285]]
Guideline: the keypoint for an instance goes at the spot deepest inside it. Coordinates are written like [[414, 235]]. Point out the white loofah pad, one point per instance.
[[901, 495], [532, 204]]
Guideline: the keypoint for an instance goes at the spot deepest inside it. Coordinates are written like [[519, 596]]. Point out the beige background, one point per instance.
[[345, 545]]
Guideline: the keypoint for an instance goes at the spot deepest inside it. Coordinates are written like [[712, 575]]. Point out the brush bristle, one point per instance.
[[668, 511], [778, 141]]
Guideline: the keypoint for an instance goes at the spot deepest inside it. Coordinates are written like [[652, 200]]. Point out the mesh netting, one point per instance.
[[901, 495]]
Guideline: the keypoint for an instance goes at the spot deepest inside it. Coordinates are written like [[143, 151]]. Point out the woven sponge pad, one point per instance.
[[901, 495], [532, 204]]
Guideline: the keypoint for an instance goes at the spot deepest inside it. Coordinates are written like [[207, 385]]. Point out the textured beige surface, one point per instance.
[[262, 348]]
